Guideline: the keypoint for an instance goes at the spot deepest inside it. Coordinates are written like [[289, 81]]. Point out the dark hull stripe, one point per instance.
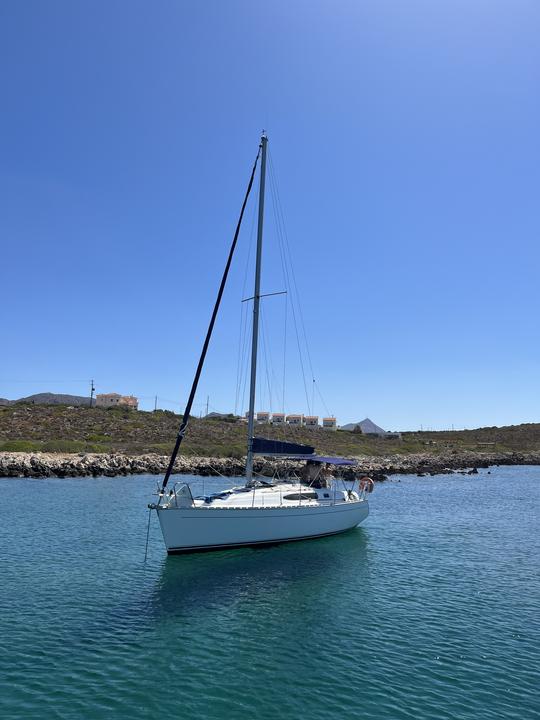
[[257, 543]]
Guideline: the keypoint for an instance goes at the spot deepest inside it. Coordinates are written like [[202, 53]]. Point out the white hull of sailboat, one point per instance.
[[205, 528]]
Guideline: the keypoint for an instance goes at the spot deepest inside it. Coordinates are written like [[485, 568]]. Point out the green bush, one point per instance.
[[20, 446], [96, 438], [64, 446], [160, 448]]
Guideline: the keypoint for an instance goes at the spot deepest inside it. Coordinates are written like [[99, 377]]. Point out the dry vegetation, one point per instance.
[[57, 428]]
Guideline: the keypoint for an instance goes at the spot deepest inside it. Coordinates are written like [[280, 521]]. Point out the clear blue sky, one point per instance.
[[405, 138]]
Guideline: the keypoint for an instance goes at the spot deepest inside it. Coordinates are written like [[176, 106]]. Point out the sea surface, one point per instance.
[[431, 609]]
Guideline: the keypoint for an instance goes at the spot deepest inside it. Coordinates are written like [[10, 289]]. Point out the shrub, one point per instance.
[[64, 446], [20, 446]]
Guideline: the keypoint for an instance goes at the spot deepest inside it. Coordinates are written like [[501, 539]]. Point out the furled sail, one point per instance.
[[264, 446]]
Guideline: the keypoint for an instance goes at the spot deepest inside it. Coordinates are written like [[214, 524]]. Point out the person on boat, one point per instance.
[[365, 484], [313, 475]]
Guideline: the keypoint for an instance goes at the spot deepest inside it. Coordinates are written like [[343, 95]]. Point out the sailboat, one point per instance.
[[261, 511]]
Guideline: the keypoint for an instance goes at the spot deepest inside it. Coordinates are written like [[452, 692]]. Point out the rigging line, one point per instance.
[[276, 384], [147, 535], [240, 360], [238, 356], [248, 340], [265, 353], [284, 356], [241, 353], [300, 354], [170, 402], [272, 378], [286, 263], [245, 355], [285, 266], [284, 427], [287, 245], [259, 394], [245, 360], [263, 347], [280, 207], [329, 414], [293, 273], [185, 418], [250, 249]]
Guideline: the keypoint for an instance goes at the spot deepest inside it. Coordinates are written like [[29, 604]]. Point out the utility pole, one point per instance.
[[155, 404], [92, 388], [207, 403]]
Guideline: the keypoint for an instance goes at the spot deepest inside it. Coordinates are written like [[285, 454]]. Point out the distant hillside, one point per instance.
[[28, 427], [49, 399]]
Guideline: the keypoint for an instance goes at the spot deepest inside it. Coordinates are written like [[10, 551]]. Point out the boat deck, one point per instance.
[[281, 495]]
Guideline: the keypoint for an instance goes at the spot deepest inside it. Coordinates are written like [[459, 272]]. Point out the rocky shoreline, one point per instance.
[[39, 465]]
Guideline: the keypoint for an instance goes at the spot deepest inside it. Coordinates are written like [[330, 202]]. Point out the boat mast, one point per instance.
[[256, 303]]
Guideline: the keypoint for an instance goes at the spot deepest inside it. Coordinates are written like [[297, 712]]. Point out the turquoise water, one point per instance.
[[430, 610]]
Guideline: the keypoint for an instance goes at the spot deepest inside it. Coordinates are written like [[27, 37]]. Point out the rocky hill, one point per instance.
[[72, 429], [49, 399]]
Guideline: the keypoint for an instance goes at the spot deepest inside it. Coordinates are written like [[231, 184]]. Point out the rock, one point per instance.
[[37, 465]]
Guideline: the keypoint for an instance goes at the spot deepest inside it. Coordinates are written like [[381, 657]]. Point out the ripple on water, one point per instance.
[[430, 610]]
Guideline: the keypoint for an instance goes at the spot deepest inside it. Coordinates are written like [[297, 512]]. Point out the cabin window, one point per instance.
[[326, 495], [301, 496]]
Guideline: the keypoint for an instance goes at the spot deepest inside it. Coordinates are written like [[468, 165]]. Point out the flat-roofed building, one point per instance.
[[311, 420], [278, 418], [297, 420], [329, 423], [129, 401], [108, 400], [262, 417]]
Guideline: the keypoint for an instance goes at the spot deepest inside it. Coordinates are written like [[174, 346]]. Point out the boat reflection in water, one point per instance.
[[260, 577]]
